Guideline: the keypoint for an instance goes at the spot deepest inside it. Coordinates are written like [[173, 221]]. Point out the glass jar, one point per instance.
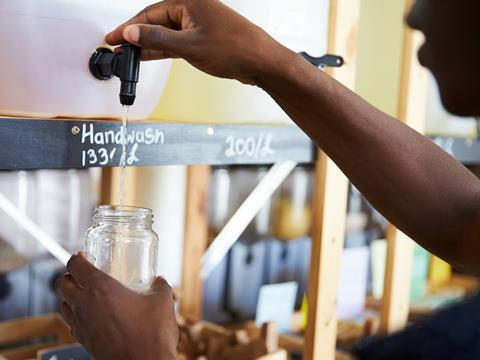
[[121, 242]]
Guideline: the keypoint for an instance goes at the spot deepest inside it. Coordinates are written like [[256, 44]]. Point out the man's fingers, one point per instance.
[[67, 313], [68, 289], [157, 37], [149, 54], [159, 284], [83, 272], [163, 13]]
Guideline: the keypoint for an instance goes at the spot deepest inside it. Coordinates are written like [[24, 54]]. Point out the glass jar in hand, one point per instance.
[[121, 242]]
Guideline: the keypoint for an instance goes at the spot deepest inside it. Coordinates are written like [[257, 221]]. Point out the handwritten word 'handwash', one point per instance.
[[147, 136]]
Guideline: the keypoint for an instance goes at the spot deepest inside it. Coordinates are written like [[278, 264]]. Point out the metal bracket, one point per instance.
[[324, 61]]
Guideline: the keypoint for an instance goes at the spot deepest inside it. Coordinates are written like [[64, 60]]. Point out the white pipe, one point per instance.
[[36, 232], [244, 215]]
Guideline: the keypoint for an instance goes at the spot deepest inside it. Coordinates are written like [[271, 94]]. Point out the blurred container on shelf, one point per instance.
[[246, 274], [440, 273], [192, 96], [289, 248], [292, 214], [43, 297], [219, 211], [352, 292], [244, 179], [302, 266], [246, 269], [30, 290], [15, 291], [357, 219], [364, 225], [378, 250], [421, 262], [60, 202], [10, 259], [219, 198], [281, 261], [419, 276]]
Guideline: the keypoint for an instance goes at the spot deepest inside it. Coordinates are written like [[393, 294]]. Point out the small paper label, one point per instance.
[[276, 302]]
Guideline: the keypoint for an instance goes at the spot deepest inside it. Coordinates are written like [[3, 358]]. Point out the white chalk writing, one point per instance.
[[257, 147], [147, 136], [106, 155]]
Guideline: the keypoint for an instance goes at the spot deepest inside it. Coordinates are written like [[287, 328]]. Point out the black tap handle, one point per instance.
[[125, 65], [127, 68], [323, 61]]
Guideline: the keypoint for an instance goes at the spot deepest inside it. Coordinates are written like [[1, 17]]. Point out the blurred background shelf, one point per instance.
[[73, 144], [465, 150]]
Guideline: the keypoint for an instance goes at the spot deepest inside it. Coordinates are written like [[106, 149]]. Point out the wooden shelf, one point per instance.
[[63, 144]]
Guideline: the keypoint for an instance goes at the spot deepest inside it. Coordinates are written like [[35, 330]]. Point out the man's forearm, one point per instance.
[[415, 184]]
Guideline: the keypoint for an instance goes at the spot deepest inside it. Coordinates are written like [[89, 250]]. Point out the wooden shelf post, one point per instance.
[[331, 188], [412, 111], [110, 186], [196, 239]]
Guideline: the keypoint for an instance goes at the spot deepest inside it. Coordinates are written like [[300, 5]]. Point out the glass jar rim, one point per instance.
[[123, 214]]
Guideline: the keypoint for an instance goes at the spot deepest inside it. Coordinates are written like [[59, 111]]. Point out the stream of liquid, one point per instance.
[[123, 158]]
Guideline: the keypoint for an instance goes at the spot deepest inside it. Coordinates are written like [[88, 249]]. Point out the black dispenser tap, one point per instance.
[[104, 63]]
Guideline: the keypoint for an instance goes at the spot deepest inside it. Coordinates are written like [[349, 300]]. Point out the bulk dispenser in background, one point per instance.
[[247, 258], [258, 257], [276, 247], [289, 248], [220, 210], [61, 203]]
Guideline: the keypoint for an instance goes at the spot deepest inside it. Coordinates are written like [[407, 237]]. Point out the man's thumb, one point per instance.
[[159, 284], [155, 37]]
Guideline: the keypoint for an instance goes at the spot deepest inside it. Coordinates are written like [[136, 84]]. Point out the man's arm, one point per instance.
[[416, 185]]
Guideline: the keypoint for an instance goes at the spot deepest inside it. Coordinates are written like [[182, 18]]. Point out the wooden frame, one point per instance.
[[412, 111], [16, 331], [196, 239], [110, 185], [330, 202]]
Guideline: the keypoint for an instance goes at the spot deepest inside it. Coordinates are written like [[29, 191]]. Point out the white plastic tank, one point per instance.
[[192, 96], [46, 46]]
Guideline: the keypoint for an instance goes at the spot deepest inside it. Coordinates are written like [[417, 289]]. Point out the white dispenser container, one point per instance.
[[46, 46], [192, 96]]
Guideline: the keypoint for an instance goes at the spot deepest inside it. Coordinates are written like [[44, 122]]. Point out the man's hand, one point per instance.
[[114, 322], [209, 35]]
